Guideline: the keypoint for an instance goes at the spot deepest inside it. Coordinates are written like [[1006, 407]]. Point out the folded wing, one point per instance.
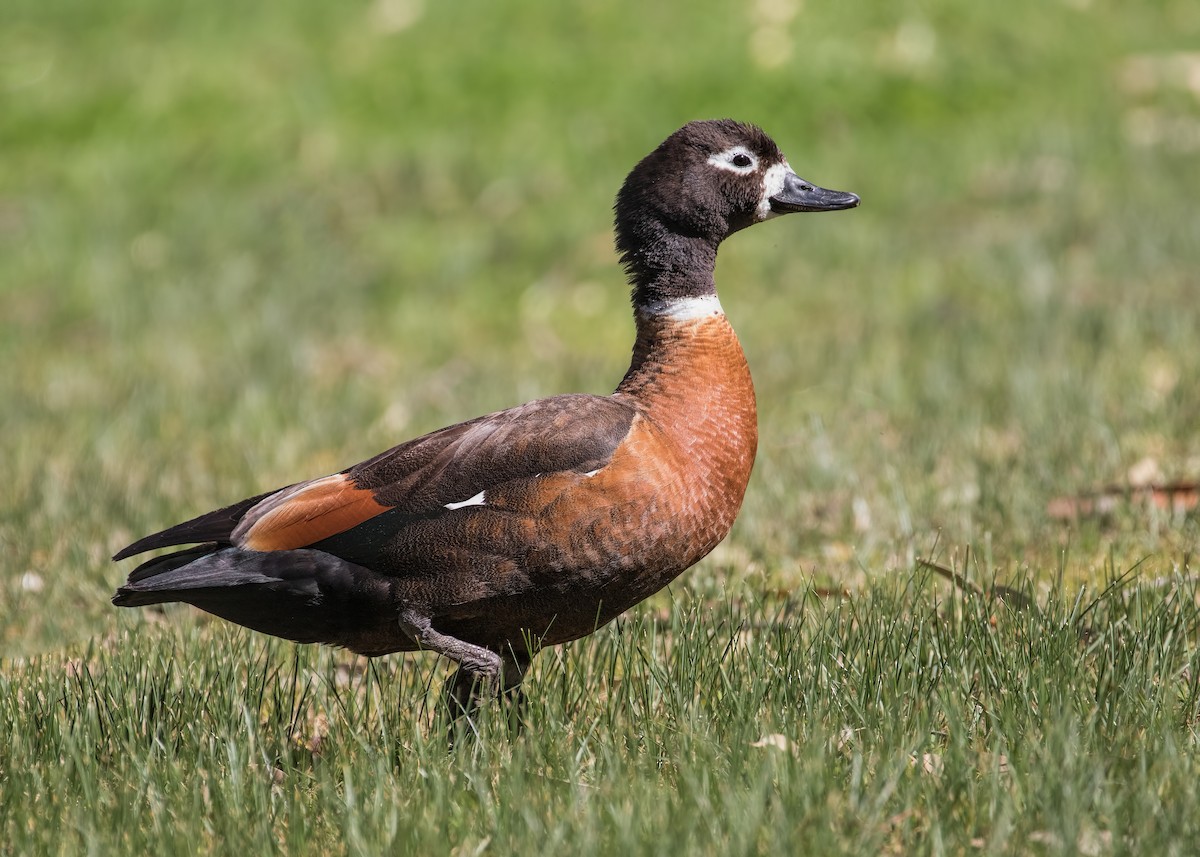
[[433, 474]]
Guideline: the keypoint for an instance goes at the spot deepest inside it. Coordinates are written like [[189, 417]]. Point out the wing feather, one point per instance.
[[215, 526], [306, 514], [415, 479]]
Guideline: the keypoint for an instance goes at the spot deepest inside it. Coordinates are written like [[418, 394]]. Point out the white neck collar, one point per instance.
[[684, 309]]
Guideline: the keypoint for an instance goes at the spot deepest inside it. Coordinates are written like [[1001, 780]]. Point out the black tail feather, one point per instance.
[[216, 526], [304, 595], [169, 562]]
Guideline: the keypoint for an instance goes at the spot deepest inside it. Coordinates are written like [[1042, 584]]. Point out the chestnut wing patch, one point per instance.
[[302, 515]]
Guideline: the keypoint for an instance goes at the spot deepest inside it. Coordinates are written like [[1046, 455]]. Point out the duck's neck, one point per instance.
[[680, 321], [685, 346], [665, 266], [689, 380]]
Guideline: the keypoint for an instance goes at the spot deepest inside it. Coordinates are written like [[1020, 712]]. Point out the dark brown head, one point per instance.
[[703, 183]]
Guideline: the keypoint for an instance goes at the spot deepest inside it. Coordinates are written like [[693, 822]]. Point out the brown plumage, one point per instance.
[[490, 539]]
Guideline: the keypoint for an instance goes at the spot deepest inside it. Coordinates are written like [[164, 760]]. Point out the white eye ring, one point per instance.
[[738, 160]]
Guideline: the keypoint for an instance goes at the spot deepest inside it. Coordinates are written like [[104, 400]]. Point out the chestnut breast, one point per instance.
[[692, 387], [587, 547]]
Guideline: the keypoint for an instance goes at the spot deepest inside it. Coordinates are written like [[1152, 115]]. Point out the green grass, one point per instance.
[[245, 245], [861, 725]]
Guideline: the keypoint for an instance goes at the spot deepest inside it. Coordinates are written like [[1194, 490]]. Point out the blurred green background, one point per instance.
[[243, 244]]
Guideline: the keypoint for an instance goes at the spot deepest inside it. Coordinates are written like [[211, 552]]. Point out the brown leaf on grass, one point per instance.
[[775, 741], [837, 551], [274, 775], [1175, 497], [844, 740], [1144, 473], [1013, 597], [1091, 842], [994, 761], [1146, 74], [317, 732], [1046, 837], [817, 592], [785, 603], [930, 763]]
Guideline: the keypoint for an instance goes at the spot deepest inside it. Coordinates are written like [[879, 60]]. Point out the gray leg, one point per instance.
[[481, 672], [480, 662], [464, 690]]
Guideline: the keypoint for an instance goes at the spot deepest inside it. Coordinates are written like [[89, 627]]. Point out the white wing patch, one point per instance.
[[477, 500]]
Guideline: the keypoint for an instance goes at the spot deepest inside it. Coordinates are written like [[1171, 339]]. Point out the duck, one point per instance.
[[492, 539]]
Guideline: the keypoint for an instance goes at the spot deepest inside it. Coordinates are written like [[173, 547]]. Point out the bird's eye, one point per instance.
[[737, 159]]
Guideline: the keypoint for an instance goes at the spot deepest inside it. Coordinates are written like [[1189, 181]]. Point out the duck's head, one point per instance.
[[703, 183]]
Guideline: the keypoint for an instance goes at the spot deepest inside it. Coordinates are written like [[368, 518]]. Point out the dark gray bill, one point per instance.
[[799, 195]]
